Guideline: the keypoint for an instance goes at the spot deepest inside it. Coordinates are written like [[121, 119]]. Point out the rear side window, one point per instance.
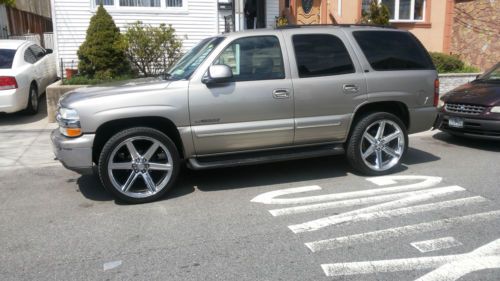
[[389, 50], [37, 51], [6, 58], [321, 55], [29, 57]]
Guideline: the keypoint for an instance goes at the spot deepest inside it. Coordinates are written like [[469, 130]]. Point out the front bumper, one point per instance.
[[74, 153], [473, 128]]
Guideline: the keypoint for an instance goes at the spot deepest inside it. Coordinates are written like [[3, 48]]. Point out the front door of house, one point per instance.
[[308, 11]]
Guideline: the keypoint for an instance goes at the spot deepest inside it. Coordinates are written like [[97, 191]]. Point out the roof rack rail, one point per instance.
[[335, 24]]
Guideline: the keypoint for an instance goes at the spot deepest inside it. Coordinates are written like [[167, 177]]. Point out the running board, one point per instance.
[[268, 156]]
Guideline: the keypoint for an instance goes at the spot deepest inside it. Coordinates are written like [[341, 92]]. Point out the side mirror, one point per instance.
[[218, 74], [49, 51]]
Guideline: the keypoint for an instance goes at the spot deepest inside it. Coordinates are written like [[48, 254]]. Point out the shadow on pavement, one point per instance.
[[253, 176], [19, 118], [489, 145]]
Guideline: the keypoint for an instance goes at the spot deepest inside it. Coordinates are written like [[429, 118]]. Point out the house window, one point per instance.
[[287, 3], [174, 3], [140, 3], [105, 2], [400, 10]]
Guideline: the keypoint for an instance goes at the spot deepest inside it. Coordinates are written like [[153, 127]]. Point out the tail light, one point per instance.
[[436, 92], [7, 83]]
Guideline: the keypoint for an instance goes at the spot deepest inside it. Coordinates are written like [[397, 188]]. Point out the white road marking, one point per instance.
[[270, 197], [379, 235], [111, 265], [332, 220], [436, 244], [449, 268]]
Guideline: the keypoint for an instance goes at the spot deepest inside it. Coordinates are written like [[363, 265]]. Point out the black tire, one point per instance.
[[355, 141], [33, 101], [118, 139]]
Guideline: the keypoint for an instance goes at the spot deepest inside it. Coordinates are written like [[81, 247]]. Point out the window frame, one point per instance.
[[138, 9], [351, 57], [254, 36], [412, 19]]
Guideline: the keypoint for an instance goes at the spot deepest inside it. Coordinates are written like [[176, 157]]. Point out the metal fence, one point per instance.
[[48, 40]]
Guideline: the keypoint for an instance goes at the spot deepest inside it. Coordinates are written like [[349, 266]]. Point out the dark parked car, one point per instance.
[[473, 109]]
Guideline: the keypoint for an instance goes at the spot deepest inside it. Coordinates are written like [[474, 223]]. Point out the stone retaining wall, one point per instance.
[[449, 81], [54, 92]]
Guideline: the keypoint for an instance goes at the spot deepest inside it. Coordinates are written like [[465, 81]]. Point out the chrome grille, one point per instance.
[[464, 108]]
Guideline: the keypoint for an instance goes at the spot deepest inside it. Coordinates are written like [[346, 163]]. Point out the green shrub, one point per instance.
[[450, 64], [8, 3], [152, 50], [377, 14], [103, 51], [98, 79]]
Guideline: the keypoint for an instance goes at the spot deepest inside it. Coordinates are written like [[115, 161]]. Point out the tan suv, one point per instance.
[[254, 97]]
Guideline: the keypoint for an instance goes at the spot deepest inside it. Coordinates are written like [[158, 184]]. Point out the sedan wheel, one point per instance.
[[33, 104], [139, 165]]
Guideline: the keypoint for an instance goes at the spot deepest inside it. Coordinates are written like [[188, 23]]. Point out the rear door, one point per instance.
[[328, 84], [41, 68], [255, 110]]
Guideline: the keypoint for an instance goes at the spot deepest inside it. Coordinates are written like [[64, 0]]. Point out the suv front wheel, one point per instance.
[[139, 165], [377, 144]]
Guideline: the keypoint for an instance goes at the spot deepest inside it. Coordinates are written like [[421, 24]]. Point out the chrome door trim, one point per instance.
[[243, 132], [243, 128], [320, 125]]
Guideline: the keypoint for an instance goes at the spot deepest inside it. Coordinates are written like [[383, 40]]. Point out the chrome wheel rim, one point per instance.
[[140, 167], [382, 145], [34, 99]]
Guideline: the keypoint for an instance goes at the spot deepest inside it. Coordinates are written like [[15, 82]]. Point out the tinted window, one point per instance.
[[389, 50], [254, 58], [37, 51], [29, 57], [6, 58], [321, 55]]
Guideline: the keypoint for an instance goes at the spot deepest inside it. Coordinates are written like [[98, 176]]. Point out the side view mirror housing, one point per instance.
[[218, 74]]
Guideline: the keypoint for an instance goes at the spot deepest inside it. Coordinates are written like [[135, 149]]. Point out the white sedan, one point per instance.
[[26, 69]]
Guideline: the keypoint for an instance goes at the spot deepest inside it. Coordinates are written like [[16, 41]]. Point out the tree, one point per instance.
[[377, 14], [152, 49], [102, 55], [9, 3]]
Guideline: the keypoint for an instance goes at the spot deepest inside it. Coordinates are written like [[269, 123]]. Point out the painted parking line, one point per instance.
[[436, 244]]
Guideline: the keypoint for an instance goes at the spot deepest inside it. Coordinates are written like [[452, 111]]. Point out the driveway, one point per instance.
[[25, 140]]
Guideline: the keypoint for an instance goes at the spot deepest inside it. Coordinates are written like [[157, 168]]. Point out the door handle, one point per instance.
[[350, 88], [281, 94]]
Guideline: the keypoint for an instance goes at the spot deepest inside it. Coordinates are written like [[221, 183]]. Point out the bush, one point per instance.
[[152, 49], [102, 53], [84, 80], [450, 64], [377, 14]]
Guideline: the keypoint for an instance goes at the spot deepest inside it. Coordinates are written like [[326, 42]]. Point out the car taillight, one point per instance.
[[7, 83], [436, 92]]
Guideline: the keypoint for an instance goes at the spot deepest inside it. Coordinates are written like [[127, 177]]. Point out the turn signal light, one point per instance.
[[71, 132], [8, 83], [436, 92]]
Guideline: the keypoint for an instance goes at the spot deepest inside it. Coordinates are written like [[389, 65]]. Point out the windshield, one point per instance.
[[185, 67], [492, 75], [6, 58]]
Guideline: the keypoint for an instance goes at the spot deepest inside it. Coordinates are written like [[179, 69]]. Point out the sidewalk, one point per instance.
[[25, 140]]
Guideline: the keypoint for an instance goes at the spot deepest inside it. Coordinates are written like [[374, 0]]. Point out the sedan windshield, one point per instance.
[[493, 75], [6, 58], [185, 67]]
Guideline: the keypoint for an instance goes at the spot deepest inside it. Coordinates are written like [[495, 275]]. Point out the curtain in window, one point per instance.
[[105, 2], [174, 3], [140, 3]]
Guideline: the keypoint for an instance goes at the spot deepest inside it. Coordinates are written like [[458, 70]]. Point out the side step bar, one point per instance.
[[252, 158]]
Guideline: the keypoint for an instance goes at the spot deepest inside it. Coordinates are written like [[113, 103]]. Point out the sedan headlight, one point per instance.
[[495, 109], [69, 122]]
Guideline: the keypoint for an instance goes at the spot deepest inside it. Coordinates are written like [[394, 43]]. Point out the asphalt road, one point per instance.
[[217, 224]]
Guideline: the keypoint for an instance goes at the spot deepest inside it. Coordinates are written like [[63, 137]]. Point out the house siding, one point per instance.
[[272, 11], [71, 19]]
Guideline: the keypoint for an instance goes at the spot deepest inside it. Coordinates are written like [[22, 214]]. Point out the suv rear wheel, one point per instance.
[[139, 165], [377, 144]]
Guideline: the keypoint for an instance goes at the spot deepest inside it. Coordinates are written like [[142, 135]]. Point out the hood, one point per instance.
[[126, 87], [479, 93]]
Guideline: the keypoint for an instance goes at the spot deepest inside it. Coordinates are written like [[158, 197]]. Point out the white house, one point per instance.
[[192, 19]]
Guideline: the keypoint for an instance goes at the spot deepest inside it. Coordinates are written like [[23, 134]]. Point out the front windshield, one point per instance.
[[492, 75], [185, 67]]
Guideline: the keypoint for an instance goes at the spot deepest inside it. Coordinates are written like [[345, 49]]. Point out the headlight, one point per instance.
[[69, 122], [495, 109]]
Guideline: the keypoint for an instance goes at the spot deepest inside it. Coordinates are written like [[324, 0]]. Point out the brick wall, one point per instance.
[[476, 32]]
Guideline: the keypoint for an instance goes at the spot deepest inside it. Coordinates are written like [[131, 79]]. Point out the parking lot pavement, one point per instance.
[[437, 218], [25, 140]]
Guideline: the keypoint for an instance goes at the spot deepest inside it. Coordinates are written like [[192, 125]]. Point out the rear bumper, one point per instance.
[[422, 119], [74, 153], [13, 100], [473, 128]]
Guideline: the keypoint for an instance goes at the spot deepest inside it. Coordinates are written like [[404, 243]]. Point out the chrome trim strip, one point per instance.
[[319, 126], [243, 132]]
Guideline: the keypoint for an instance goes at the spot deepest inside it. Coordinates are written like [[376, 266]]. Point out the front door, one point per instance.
[[308, 11], [255, 110]]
